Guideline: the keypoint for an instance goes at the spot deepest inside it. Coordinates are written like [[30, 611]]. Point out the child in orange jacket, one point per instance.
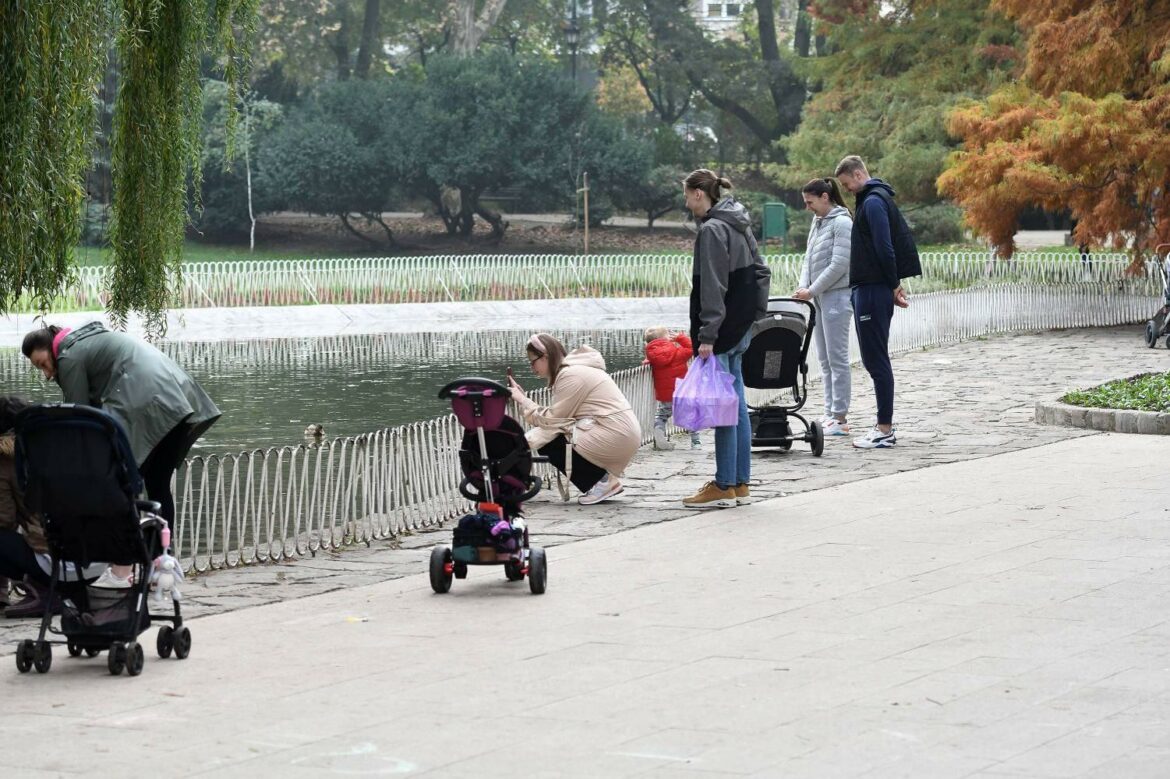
[[668, 357]]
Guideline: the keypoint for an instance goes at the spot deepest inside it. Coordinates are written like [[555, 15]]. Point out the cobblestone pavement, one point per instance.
[[954, 403]]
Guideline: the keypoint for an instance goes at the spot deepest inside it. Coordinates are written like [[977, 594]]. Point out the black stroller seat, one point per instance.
[[496, 462], [777, 359], [76, 469]]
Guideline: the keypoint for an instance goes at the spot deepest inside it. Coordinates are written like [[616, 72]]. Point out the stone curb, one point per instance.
[[1103, 419]]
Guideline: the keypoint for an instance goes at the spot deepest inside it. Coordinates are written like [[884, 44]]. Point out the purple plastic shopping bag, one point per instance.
[[705, 397]]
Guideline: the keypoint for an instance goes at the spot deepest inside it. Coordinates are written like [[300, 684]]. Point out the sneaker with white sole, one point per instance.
[[711, 496], [662, 442], [603, 490], [834, 426], [876, 439], [110, 581]]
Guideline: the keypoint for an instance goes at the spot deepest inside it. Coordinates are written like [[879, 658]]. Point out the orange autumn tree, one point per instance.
[[1087, 128]]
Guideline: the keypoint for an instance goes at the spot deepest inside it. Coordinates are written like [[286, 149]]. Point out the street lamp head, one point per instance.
[[572, 33]]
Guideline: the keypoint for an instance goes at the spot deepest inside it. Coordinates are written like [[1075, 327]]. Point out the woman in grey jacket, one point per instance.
[[824, 279], [162, 408]]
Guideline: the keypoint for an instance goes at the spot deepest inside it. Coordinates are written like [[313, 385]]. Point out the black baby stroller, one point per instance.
[[497, 477], [777, 359], [76, 470], [1159, 325]]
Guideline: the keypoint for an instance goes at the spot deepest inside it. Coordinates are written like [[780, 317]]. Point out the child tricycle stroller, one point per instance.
[[777, 359], [497, 477], [1159, 325], [76, 470]]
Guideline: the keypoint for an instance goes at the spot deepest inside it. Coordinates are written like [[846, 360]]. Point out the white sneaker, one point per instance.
[[876, 439], [603, 490], [661, 441], [109, 581], [834, 426]]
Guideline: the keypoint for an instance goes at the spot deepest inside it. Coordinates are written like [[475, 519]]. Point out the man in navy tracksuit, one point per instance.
[[877, 288]]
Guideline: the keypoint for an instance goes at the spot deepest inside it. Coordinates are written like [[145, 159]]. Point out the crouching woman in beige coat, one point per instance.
[[589, 433]]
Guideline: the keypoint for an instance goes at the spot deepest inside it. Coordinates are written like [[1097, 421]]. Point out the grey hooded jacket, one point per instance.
[[826, 260], [730, 281], [136, 383]]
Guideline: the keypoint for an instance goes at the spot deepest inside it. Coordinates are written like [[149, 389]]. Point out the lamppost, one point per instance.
[[572, 37]]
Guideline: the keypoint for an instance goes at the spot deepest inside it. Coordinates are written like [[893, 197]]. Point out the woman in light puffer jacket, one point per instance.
[[824, 279]]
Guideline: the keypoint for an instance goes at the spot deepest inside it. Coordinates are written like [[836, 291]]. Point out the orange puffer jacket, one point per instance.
[[668, 358]]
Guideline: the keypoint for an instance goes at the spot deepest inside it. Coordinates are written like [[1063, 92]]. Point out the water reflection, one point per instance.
[[271, 390]]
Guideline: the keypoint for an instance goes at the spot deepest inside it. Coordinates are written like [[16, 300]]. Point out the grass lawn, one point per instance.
[[1148, 392], [203, 252]]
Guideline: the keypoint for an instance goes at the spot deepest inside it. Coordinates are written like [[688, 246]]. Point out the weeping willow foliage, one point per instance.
[[155, 146], [51, 58]]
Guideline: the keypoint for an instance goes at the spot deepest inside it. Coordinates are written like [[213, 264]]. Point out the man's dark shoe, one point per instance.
[[33, 604]]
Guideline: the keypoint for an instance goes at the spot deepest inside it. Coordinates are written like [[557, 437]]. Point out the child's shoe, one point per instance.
[[111, 581], [661, 441]]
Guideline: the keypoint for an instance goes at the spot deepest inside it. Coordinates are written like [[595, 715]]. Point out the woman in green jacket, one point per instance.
[[162, 408]]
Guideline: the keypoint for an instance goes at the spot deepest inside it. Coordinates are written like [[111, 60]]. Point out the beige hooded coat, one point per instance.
[[590, 409]]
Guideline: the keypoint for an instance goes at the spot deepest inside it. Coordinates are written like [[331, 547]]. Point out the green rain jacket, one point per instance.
[[134, 382]]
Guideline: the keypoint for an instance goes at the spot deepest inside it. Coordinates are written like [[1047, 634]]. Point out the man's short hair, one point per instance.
[[850, 164]]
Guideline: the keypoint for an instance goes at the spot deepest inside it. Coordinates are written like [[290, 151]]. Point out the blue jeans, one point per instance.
[[733, 445]]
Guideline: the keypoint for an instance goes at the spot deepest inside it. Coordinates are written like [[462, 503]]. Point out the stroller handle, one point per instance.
[[474, 387], [812, 309]]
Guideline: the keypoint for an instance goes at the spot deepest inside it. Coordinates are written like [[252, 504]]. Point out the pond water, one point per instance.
[[270, 390]]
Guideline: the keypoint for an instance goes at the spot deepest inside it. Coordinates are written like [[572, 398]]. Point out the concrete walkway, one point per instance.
[[1003, 614], [1000, 617]]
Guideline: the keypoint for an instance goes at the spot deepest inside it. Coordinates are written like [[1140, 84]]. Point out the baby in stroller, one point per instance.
[[497, 477]]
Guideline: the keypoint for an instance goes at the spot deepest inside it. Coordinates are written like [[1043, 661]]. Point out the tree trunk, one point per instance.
[[469, 29], [345, 221], [376, 217], [371, 38], [496, 220], [802, 35]]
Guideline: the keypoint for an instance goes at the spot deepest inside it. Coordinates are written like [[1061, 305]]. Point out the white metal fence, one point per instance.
[[282, 503], [378, 280]]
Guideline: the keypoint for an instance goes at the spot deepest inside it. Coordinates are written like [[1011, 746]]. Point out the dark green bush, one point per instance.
[[934, 225]]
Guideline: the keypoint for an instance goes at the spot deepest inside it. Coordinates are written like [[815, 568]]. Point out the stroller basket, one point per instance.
[[110, 614]]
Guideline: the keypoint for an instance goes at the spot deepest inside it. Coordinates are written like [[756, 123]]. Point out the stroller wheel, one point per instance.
[[818, 439], [441, 569], [537, 570], [24, 656], [164, 643], [116, 659], [460, 570], [513, 571], [1151, 335], [74, 649], [43, 656], [135, 658], [182, 642], [90, 652]]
